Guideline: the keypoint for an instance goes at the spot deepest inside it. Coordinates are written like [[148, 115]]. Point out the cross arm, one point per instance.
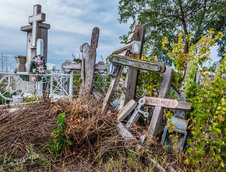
[[140, 64], [39, 17]]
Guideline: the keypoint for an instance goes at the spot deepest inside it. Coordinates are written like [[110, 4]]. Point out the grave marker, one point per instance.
[[137, 64], [36, 30], [158, 111], [37, 17], [114, 80], [132, 74]]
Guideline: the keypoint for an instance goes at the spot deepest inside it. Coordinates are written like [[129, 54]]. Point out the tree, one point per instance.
[[164, 18]]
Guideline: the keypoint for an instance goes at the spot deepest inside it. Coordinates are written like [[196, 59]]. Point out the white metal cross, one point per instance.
[[34, 20]]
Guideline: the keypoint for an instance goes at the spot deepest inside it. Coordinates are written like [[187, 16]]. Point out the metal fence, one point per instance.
[[21, 87]]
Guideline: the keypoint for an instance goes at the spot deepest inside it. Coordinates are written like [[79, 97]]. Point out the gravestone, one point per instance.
[[35, 30]]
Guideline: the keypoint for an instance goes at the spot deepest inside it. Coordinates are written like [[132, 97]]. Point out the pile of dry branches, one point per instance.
[[28, 125], [86, 127]]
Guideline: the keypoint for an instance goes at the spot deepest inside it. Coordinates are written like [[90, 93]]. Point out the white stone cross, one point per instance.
[[34, 20]]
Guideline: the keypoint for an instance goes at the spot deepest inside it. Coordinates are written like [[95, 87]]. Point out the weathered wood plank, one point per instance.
[[68, 66], [158, 111], [90, 66], [126, 110], [125, 133], [85, 59], [186, 106], [167, 103], [138, 64], [111, 90]]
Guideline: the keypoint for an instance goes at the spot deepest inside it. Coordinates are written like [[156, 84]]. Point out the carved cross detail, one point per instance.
[[34, 20]]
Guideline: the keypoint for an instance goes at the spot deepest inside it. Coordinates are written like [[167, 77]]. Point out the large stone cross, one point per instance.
[[35, 30], [34, 20]]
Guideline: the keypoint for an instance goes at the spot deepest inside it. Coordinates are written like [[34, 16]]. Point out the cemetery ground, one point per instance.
[[73, 135], [115, 119]]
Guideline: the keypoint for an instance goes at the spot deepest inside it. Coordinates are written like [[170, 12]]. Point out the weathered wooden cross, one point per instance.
[[180, 124], [136, 35], [87, 66]]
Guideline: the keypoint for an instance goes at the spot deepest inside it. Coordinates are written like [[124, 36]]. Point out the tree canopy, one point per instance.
[[164, 18]]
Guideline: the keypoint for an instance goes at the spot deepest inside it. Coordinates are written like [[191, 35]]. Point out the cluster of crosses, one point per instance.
[[129, 110]]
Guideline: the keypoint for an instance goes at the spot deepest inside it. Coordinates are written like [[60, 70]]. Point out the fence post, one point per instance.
[[71, 85], [51, 84]]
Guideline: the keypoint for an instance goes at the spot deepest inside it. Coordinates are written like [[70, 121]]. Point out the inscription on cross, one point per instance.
[[34, 20]]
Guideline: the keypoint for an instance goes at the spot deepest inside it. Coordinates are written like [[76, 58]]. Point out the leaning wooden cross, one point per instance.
[[133, 46], [180, 124], [133, 64]]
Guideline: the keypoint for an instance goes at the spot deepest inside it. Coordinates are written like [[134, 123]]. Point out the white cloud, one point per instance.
[[71, 25]]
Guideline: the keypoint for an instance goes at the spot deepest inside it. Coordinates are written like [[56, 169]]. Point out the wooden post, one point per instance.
[[126, 110], [71, 85], [92, 59], [111, 90], [88, 61], [158, 111], [85, 58], [131, 77]]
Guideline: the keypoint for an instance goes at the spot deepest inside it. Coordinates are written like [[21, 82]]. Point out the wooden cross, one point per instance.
[[34, 20], [158, 110], [159, 104], [115, 80]]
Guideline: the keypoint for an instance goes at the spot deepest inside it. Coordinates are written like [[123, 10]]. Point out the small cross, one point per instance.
[[34, 20]]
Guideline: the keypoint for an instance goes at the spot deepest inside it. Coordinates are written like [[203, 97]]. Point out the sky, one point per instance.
[[71, 23]]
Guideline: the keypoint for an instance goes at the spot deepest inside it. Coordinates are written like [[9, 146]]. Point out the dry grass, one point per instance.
[[96, 143]]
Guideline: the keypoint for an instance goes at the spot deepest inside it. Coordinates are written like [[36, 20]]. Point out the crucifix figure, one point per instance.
[[34, 20]]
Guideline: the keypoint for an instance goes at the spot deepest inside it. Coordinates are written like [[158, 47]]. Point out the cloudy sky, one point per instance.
[[71, 25]]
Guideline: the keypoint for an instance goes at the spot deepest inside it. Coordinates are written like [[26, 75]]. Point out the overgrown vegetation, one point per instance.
[[74, 135]]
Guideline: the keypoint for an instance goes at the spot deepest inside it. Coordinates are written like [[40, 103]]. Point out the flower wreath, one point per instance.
[[38, 66]]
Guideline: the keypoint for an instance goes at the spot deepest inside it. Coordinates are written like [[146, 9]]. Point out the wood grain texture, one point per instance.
[[158, 111], [90, 66], [131, 77], [125, 133], [111, 90], [137, 64], [85, 59], [114, 81], [126, 110]]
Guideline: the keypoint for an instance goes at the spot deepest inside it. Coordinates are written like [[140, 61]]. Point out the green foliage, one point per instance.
[[207, 98], [101, 82], [209, 104], [164, 18], [77, 80], [145, 78], [57, 140]]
